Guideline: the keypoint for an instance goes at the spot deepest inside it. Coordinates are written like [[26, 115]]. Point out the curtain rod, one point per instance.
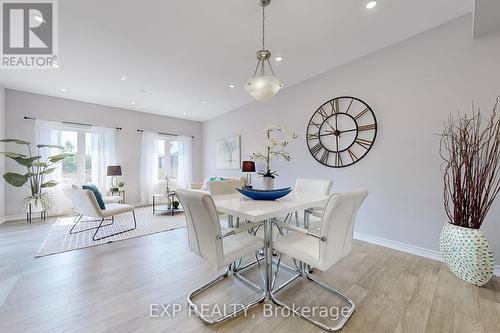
[[73, 123], [162, 133]]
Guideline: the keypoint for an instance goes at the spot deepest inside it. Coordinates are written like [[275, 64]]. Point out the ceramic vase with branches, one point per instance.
[[470, 149]]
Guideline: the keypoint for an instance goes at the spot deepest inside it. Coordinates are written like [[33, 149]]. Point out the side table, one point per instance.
[[167, 207], [120, 193]]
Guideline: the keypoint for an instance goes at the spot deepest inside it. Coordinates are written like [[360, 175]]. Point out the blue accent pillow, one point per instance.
[[97, 194], [218, 178]]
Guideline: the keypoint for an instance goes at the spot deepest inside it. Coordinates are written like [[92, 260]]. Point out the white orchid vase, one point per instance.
[[277, 139]]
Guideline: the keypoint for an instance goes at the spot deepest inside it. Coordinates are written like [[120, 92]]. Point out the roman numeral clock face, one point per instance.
[[341, 132]]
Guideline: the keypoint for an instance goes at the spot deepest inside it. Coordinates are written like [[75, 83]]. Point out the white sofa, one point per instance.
[[234, 181]]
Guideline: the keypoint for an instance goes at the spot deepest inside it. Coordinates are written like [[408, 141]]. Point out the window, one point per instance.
[[77, 169], [88, 158], [168, 159], [174, 158], [70, 165]]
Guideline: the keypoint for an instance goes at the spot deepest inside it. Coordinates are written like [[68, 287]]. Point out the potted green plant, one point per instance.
[[121, 184], [175, 204], [470, 149], [36, 171], [273, 149]]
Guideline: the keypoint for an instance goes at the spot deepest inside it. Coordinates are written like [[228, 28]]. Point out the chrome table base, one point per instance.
[[270, 289], [230, 270]]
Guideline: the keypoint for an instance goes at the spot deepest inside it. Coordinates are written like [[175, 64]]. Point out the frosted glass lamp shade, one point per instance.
[[263, 88]]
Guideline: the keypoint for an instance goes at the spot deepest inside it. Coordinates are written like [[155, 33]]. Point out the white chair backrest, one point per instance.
[[220, 187], [203, 226], [338, 226], [84, 202], [313, 186]]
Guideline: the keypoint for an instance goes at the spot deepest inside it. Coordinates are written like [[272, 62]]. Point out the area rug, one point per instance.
[[60, 240]]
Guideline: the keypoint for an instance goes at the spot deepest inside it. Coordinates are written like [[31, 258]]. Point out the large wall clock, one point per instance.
[[341, 131]]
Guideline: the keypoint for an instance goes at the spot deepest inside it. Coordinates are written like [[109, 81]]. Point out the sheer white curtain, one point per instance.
[[185, 161], [149, 166], [49, 132], [103, 152]]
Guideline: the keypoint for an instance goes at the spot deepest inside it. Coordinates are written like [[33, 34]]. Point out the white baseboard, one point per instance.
[[416, 250], [22, 216], [138, 204], [14, 217], [419, 251]]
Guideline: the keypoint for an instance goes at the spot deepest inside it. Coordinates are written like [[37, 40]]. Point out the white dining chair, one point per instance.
[[220, 249], [222, 187], [312, 186], [324, 249]]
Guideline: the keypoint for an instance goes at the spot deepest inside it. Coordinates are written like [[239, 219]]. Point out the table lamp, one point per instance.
[[114, 170], [248, 167]]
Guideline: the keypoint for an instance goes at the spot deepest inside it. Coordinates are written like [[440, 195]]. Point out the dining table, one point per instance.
[[236, 205]]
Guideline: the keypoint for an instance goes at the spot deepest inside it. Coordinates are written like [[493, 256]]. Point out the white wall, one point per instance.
[[128, 140], [2, 157], [412, 87]]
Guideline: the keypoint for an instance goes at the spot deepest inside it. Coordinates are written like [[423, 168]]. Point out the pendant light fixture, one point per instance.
[[264, 86]]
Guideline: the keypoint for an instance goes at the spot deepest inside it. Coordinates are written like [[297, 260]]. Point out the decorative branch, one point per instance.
[[471, 172]]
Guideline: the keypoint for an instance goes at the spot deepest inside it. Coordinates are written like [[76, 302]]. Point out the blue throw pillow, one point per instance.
[[97, 194]]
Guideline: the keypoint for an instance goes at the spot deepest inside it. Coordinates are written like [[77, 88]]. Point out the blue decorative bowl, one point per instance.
[[264, 194]]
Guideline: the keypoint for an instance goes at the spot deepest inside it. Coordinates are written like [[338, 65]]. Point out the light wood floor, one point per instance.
[[110, 288]]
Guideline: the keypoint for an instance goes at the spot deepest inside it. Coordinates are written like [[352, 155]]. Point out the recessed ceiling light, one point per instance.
[[279, 59], [39, 18], [123, 78], [371, 4], [184, 113], [63, 89], [203, 102], [133, 103], [232, 86], [55, 65]]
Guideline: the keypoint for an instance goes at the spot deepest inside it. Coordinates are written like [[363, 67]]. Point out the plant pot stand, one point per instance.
[[31, 210]]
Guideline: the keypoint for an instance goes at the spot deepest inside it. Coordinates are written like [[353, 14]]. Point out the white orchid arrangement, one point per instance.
[[274, 148]]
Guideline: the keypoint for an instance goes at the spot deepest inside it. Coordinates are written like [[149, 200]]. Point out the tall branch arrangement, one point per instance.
[[471, 172], [274, 148]]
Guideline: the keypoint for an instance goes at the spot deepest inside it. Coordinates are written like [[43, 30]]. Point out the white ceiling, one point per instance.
[[184, 52]]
